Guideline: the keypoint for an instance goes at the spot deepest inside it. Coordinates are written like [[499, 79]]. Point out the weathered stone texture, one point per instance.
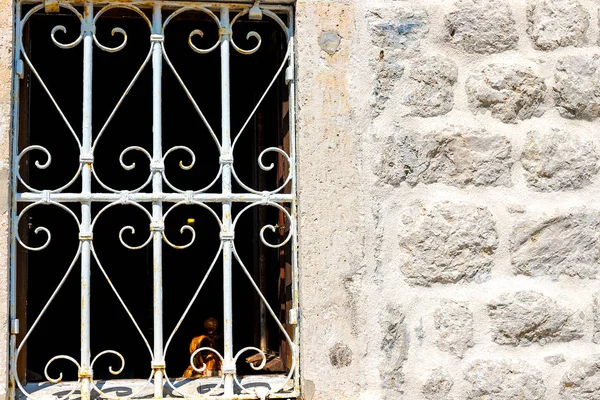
[[504, 380], [563, 245], [330, 42], [556, 23], [394, 348], [429, 90], [511, 92], [389, 72], [577, 88], [454, 325], [340, 355], [559, 161], [401, 28], [457, 156], [438, 385], [582, 380], [555, 360], [481, 26], [596, 311], [446, 243], [527, 317]]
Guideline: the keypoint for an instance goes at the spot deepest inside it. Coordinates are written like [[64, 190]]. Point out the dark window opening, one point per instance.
[[130, 271]]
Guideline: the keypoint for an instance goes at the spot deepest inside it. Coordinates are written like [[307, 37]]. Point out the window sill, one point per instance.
[[192, 388]]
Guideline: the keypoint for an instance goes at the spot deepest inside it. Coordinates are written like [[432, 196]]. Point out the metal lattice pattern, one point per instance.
[[282, 198]]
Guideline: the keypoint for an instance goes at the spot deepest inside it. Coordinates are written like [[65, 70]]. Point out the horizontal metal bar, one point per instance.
[[273, 5], [150, 197]]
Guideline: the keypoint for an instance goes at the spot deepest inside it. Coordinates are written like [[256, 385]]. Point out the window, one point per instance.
[[153, 221]]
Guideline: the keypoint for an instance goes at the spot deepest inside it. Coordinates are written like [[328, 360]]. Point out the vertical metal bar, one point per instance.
[[13, 206], [85, 372], [293, 206], [157, 207], [227, 160]]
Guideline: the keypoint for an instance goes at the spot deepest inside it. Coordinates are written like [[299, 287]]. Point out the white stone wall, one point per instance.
[[449, 218]]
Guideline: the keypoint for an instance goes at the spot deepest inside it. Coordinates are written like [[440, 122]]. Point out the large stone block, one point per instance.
[[563, 245], [400, 28], [454, 324], [438, 385], [527, 317], [481, 26], [556, 23], [457, 156], [504, 380], [510, 91], [577, 88], [559, 161], [582, 380], [429, 88], [446, 243]]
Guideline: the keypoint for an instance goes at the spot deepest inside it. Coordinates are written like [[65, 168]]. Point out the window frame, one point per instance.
[[157, 197]]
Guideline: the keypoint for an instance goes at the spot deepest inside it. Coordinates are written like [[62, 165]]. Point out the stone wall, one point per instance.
[[449, 181]]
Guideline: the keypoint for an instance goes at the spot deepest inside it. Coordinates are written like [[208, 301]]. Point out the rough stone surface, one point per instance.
[[511, 92], [504, 380], [555, 360], [527, 317], [582, 380], [454, 323], [446, 243], [399, 28], [438, 385], [330, 42], [563, 245], [456, 155], [559, 161], [340, 355], [596, 312], [429, 90], [394, 347], [556, 23], [389, 72], [481, 26], [577, 88]]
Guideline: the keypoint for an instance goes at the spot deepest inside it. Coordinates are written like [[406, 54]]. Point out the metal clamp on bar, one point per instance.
[[293, 317], [157, 166], [226, 159], [225, 31], [289, 75], [225, 235], [51, 6], [157, 38], [158, 365], [229, 368], [157, 226], [20, 69], [124, 196], [88, 28], [14, 327], [45, 196], [255, 12], [86, 158], [266, 197], [85, 373], [189, 196], [86, 235]]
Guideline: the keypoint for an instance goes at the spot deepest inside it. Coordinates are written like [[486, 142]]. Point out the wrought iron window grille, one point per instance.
[[86, 197]]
